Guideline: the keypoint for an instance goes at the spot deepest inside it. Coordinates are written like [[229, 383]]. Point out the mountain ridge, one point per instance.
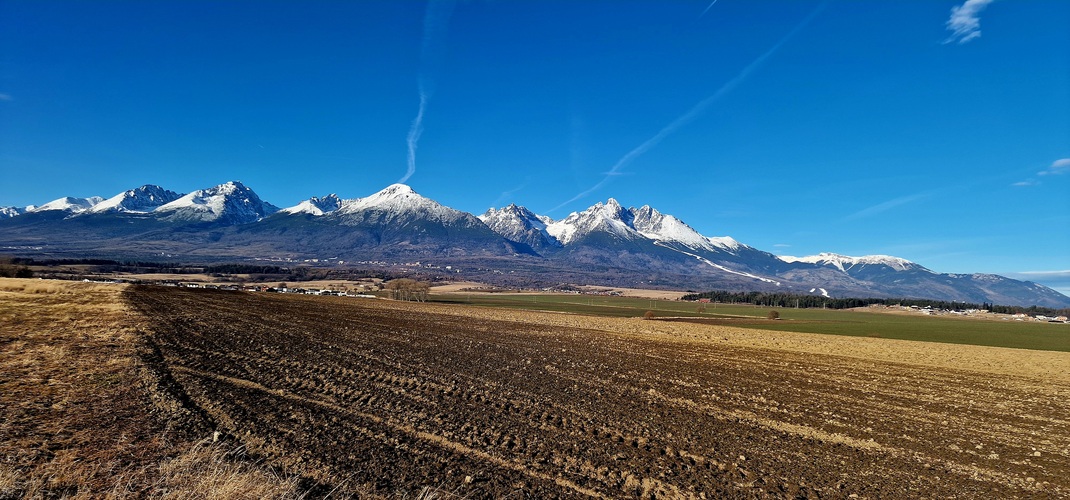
[[231, 221]]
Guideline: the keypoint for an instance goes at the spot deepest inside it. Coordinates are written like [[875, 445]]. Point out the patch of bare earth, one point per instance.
[[84, 413], [386, 398]]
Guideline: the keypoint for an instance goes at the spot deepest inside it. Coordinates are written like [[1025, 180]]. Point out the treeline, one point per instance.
[[111, 265], [811, 301], [245, 269], [9, 268], [137, 266]]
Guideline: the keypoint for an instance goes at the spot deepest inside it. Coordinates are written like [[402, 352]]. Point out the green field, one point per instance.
[[952, 330]]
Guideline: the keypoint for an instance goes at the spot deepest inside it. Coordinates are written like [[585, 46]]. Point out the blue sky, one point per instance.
[[795, 126]]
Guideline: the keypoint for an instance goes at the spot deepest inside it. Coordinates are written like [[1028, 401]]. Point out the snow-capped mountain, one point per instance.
[[632, 224], [68, 204], [394, 202], [644, 238], [399, 202], [231, 203], [8, 212], [609, 217], [604, 244], [848, 264], [141, 200], [400, 215], [315, 205], [521, 225], [395, 222]]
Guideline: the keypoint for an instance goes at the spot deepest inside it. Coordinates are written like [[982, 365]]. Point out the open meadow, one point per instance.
[[349, 397]]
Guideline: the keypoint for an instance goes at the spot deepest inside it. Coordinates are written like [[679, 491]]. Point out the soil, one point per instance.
[[386, 398]]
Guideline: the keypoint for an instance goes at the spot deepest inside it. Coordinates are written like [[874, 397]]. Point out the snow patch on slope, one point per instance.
[[661, 227], [9, 212], [718, 266]]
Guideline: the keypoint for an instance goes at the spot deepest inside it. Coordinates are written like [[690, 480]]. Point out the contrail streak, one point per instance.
[[415, 130], [436, 21], [695, 110], [707, 9]]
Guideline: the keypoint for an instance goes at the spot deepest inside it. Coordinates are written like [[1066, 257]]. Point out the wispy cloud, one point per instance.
[[695, 111], [1057, 167], [782, 245], [965, 21], [506, 195], [436, 22], [887, 205], [6, 97]]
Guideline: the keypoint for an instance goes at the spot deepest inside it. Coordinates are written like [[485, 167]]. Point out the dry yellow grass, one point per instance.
[[80, 412]]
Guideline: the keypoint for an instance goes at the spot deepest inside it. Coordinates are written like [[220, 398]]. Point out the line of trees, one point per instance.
[[408, 289], [812, 301], [10, 268], [245, 269]]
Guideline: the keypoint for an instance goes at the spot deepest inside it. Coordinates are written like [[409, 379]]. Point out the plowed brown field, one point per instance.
[[384, 398]]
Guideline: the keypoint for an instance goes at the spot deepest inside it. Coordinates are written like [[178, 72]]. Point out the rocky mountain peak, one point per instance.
[[143, 199], [231, 202]]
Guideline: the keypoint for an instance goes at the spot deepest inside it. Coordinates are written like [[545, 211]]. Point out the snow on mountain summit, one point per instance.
[[69, 204], [231, 202], [399, 202], [138, 200], [635, 223], [519, 224], [846, 263], [609, 217], [395, 197], [316, 205]]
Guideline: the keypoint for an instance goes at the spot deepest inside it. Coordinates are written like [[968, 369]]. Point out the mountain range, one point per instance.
[[605, 244]]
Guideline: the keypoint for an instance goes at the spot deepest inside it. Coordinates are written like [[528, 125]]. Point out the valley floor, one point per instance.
[[384, 399]]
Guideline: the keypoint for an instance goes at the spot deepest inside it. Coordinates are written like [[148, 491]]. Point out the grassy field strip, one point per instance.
[[901, 326]]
